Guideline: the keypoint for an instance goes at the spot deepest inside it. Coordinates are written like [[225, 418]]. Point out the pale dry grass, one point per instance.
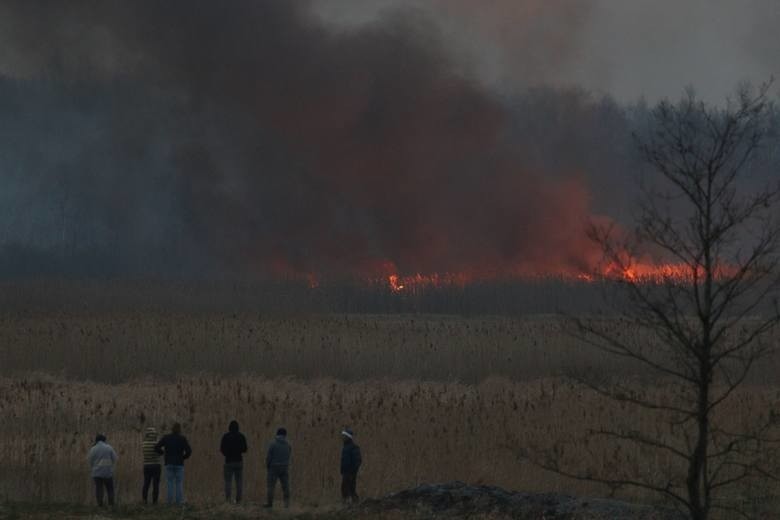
[[410, 432], [121, 346], [433, 398]]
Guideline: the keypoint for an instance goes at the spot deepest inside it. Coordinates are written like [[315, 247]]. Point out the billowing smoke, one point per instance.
[[248, 139], [648, 48]]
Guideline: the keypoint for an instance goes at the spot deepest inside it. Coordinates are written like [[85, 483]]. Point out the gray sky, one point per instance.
[[628, 48]]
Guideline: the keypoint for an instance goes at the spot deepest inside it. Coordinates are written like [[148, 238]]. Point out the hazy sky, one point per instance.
[[628, 48]]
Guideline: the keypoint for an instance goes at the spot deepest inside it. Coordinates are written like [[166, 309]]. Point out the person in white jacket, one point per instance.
[[102, 459]]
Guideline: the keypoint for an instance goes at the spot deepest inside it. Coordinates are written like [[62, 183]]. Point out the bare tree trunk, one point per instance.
[[698, 478], [697, 466]]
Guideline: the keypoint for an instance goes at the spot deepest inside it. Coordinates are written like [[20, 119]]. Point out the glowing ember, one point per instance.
[[395, 284], [419, 281]]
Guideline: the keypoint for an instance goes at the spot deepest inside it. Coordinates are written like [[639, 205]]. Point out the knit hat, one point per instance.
[[348, 433]]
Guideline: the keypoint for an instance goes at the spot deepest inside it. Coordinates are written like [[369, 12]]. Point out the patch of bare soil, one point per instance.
[[456, 499]]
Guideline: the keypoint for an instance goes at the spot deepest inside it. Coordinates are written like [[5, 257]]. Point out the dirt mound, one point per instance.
[[456, 499]]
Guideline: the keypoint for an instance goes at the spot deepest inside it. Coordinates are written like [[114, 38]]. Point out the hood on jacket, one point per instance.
[[233, 428], [150, 434]]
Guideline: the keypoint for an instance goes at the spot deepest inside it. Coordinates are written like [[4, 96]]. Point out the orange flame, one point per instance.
[[626, 269], [633, 272]]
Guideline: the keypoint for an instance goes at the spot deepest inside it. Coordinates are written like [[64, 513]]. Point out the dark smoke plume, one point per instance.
[[244, 138]]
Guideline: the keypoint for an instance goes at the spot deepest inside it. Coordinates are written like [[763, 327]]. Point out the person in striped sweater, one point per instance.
[[152, 468]]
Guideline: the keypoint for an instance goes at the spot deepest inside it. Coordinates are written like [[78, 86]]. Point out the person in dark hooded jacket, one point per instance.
[[176, 450], [233, 446], [350, 464]]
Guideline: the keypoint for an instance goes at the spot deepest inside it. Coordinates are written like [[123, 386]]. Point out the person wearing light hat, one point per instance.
[[102, 459], [350, 464]]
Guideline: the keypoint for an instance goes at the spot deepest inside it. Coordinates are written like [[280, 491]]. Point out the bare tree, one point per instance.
[[706, 321]]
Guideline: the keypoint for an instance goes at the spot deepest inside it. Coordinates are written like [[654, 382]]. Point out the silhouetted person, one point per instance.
[[278, 464], [233, 446], [350, 464], [176, 450], [102, 459], [152, 467]]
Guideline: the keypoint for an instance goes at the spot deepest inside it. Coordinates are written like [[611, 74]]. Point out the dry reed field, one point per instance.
[[432, 399], [115, 347], [410, 432]]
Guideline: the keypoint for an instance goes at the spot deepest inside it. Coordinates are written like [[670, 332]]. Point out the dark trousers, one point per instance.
[[234, 470], [282, 474], [151, 477], [100, 484], [349, 487]]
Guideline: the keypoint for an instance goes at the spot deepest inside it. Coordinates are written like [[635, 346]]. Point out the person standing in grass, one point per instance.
[[233, 446], [350, 464], [277, 462], [102, 459], [176, 450], [152, 468]]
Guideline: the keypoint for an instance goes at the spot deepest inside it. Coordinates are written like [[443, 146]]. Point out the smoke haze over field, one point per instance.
[[190, 138], [628, 49]]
